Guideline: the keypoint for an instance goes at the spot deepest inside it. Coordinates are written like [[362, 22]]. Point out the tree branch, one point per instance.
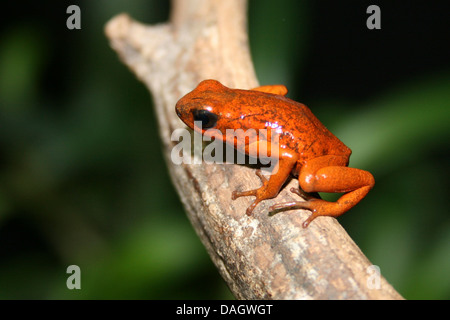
[[259, 257]]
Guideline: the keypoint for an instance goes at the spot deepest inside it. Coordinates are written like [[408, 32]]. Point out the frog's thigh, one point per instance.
[[333, 178], [329, 174]]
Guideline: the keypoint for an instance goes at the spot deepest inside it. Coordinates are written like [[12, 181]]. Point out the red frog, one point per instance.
[[305, 149]]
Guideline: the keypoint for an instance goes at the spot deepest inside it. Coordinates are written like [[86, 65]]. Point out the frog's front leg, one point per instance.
[[330, 174], [271, 187]]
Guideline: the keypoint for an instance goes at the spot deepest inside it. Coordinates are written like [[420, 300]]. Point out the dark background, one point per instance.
[[83, 181]]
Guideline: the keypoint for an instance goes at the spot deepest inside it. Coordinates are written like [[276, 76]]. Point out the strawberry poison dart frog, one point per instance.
[[306, 148]]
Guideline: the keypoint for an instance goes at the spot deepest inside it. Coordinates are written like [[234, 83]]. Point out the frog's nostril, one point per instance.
[[178, 112]]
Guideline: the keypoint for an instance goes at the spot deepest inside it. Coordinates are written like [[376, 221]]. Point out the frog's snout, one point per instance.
[[177, 110]]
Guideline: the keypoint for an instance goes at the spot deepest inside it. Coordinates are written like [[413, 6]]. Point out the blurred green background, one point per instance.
[[83, 181]]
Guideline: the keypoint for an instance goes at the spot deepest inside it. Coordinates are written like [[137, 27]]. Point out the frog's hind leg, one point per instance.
[[330, 174], [305, 195], [308, 196]]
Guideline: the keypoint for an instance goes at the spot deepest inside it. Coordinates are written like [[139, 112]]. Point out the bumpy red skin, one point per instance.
[[306, 148]]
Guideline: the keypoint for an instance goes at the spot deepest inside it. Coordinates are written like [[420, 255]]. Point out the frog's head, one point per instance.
[[232, 115], [204, 107]]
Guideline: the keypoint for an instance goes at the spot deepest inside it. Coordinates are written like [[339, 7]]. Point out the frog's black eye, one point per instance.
[[208, 119]]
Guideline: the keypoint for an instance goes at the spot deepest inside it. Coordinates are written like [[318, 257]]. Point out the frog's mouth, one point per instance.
[[178, 113], [183, 112]]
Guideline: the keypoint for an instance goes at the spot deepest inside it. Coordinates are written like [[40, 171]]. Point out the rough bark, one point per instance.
[[260, 257]]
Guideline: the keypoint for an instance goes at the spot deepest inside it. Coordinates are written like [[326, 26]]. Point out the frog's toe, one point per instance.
[[237, 194], [250, 208], [306, 223], [305, 195], [284, 206], [308, 205], [260, 175]]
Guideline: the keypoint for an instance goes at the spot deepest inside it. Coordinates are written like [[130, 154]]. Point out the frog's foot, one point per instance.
[[305, 195], [318, 207], [259, 193]]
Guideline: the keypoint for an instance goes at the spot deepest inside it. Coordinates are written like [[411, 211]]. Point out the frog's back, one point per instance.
[[299, 128], [309, 136]]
